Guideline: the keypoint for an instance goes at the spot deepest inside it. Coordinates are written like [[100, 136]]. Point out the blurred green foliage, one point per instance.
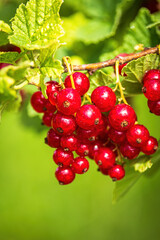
[[32, 204]]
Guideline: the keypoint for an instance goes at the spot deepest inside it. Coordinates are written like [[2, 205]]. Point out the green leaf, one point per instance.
[[33, 76], [3, 38], [132, 176], [43, 86], [4, 27], [135, 71], [10, 76], [93, 32], [105, 23], [53, 69], [37, 25], [138, 33], [9, 57], [99, 78]]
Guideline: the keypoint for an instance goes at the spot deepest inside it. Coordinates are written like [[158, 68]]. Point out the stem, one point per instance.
[[119, 155], [111, 62], [88, 98], [21, 85], [33, 59], [61, 83], [70, 71], [119, 83]]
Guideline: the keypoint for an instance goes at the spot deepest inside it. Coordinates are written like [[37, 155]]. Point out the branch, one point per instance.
[[92, 67]]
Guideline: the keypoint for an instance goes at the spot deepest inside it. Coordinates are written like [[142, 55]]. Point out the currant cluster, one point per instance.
[[101, 130], [151, 90]]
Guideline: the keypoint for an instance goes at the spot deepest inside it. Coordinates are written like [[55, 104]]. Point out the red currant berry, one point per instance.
[[38, 102], [63, 124], [154, 107], [129, 151], [151, 89], [68, 101], [137, 135], [150, 146], [152, 74], [62, 158], [80, 165], [53, 88], [50, 107], [104, 171], [64, 175], [117, 172], [88, 135], [116, 136], [81, 82], [105, 157], [104, 98], [82, 149], [121, 66], [88, 116], [122, 117], [69, 142], [52, 139], [93, 148], [47, 118], [102, 127]]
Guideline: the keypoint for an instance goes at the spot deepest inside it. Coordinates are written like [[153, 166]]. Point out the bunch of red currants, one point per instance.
[[101, 130]]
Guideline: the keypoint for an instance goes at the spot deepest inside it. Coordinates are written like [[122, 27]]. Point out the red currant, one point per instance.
[[88, 116], [93, 148], [38, 102], [122, 117], [68, 101], [53, 88], [80, 165], [104, 98], [69, 142], [150, 146], [154, 107], [81, 82], [47, 118], [90, 134], [50, 107], [62, 158], [64, 175], [105, 157], [151, 89], [104, 171], [63, 124], [152, 74], [116, 136], [52, 139], [129, 151], [117, 172], [82, 149], [137, 135]]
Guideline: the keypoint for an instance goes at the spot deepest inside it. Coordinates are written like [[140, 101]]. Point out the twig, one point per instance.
[[111, 62]]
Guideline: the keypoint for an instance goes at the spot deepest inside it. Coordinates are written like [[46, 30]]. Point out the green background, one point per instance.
[[34, 206]]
